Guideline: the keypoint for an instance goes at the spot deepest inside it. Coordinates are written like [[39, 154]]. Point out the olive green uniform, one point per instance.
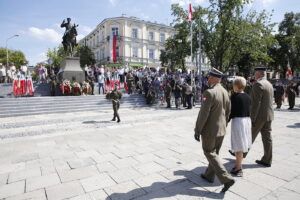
[[211, 125], [168, 91], [262, 115], [115, 96], [279, 91]]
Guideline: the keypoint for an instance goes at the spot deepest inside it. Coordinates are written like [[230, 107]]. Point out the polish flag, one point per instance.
[[289, 73], [190, 18], [114, 49]]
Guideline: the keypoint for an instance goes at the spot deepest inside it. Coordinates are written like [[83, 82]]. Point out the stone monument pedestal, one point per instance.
[[70, 69]]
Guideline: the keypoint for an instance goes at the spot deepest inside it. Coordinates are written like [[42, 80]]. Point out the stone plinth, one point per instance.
[[70, 69]]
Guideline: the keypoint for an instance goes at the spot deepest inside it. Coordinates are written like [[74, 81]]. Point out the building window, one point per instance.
[[115, 31], [134, 33], [172, 35], [151, 53], [134, 52], [102, 53], [151, 36], [162, 37], [103, 36]]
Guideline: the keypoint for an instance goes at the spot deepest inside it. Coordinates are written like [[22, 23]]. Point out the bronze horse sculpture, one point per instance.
[[69, 38]]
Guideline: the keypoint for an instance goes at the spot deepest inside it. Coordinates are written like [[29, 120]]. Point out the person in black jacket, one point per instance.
[[241, 136]]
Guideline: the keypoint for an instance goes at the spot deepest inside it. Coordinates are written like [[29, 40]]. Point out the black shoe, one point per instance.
[[205, 178], [119, 121], [227, 185], [238, 173], [262, 163], [231, 153], [113, 119]]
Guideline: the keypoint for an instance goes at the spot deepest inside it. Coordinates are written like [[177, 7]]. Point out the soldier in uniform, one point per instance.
[[115, 96], [91, 80], [168, 90], [211, 125], [52, 77], [262, 113], [291, 94], [129, 79], [279, 92]]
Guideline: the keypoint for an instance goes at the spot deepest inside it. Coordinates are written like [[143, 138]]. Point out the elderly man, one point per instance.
[[211, 125], [262, 113]]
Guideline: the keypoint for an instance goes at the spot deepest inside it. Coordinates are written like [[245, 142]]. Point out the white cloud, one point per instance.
[[45, 34], [267, 2], [85, 29], [113, 2]]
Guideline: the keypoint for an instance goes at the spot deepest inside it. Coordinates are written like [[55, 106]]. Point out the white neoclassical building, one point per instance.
[[138, 42]]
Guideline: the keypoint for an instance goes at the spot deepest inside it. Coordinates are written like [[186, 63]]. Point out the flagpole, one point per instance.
[[191, 48]]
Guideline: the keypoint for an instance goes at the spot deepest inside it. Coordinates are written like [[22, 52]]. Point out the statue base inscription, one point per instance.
[[70, 69]]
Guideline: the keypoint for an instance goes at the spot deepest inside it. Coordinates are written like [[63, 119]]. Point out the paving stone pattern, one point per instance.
[[151, 154]]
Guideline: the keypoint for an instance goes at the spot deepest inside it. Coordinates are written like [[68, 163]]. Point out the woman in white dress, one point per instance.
[[241, 138]]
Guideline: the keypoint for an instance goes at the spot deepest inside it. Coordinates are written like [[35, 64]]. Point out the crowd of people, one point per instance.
[[11, 73], [158, 86]]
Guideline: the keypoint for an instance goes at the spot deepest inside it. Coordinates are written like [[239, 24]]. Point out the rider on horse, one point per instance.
[[68, 27], [69, 38]]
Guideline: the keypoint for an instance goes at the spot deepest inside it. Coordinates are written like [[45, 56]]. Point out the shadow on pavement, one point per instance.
[[96, 122], [296, 125], [286, 110], [189, 185]]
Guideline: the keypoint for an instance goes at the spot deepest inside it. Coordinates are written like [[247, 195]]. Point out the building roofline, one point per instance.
[[130, 18]]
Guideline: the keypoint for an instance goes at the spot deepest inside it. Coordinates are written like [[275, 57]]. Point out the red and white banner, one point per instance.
[[114, 50], [190, 18], [289, 73]]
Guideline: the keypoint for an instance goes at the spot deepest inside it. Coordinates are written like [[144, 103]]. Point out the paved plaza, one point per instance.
[[151, 154]]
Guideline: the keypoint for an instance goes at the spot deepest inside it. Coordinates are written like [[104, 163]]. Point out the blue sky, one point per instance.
[[37, 21]]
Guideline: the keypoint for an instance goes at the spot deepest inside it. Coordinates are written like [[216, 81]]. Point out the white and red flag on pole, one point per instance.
[[190, 18], [289, 73]]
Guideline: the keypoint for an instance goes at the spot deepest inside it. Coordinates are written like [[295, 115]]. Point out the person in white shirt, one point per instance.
[[101, 80], [24, 69], [12, 74], [2, 73]]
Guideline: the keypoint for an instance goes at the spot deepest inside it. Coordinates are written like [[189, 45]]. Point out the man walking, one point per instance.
[[115, 96], [291, 94], [262, 113], [211, 125], [279, 92]]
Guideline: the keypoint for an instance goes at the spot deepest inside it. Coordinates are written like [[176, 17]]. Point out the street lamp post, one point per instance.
[[7, 51]]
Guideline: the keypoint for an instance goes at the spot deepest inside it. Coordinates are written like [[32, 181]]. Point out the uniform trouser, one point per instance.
[[189, 100], [116, 106], [211, 147], [265, 128], [168, 100], [278, 101], [177, 101], [291, 101], [184, 100]]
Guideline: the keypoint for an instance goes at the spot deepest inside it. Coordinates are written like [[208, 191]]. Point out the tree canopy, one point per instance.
[[230, 35], [15, 56]]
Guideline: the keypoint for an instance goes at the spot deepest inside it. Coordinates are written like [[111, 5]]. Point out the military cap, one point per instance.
[[215, 73], [260, 68]]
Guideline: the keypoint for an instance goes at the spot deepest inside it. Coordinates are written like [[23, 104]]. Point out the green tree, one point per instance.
[[15, 56], [229, 36], [86, 55], [56, 55], [288, 48]]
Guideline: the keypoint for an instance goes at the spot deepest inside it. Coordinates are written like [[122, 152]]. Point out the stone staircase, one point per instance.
[[25, 106]]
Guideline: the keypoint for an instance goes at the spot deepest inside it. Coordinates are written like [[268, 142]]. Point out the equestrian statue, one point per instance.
[[69, 38]]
